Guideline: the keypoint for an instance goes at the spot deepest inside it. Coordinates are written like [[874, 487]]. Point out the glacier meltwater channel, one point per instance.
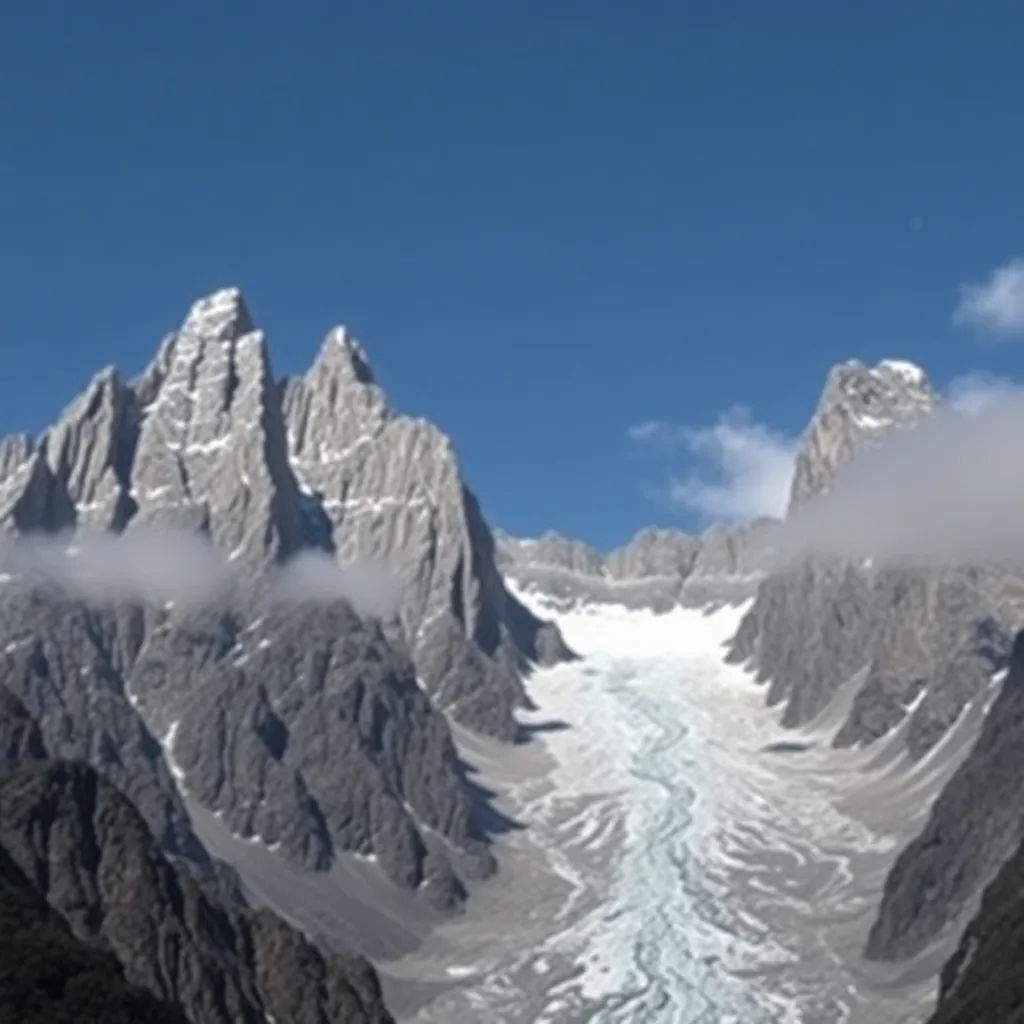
[[708, 868]]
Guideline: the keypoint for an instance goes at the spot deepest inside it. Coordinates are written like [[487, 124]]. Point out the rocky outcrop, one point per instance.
[[48, 976], [89, 451], [87, 851], [31, 499], [21, 742], [211, 451], [912, 640], [859, 406], [973, 827], [307, 730], [387, 487], [658, 569], [983, 982], [14, 452], [296, 722], [64, 663], [923, 642]]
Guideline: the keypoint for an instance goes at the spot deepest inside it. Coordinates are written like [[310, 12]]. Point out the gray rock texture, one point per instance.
[[89, 452], [923, 641], [211, 446], [48, 976], [301, 726], [859, 406], [388, 487], [30, 497], [983, 983], [87, 851], [63, 661], [658, 569], [307, 730], [21, 742], [974, 826]]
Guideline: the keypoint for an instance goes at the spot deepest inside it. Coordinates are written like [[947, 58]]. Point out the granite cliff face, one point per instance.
[[388, 486], [983, 983], [657, 569], [299, 723], [310, 733], [859, 406], [923, 641], [882, 645], [973, 828], [84, 848], [49, 976]]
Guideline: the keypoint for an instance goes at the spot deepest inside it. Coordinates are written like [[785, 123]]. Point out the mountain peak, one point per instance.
[[345, 355], [859, 405], [223, 313], [909, 372]]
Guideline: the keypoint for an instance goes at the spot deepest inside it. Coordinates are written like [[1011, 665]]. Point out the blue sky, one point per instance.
[[548, 223]]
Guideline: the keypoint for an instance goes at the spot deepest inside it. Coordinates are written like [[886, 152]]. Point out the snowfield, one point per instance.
[[678, 857]]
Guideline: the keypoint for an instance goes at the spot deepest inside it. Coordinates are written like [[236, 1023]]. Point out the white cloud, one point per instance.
[[974, 392], [143, 564], [158, 566], [996, 305], [951, 490], [650, 431], [372, 588], [744, 468]]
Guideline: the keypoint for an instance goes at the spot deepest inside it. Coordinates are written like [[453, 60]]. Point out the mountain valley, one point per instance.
[[276, 703]]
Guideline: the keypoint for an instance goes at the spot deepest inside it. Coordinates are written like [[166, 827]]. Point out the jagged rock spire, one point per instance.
[[211, 447], [859, 405]]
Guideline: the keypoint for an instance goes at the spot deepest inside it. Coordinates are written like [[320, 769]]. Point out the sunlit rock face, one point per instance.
[[316, 725]]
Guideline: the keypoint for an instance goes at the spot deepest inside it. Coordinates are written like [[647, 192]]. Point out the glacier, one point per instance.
[[677, 856]]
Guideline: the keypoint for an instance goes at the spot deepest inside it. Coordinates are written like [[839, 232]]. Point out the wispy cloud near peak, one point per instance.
[[742, 469], [994, 306]]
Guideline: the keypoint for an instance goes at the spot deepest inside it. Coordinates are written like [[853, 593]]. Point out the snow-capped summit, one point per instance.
[[903, 368], [209, 439], [859, 405]]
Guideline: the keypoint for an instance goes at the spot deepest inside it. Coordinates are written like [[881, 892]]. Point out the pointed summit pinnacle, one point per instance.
[[342, 352], [222, 313]]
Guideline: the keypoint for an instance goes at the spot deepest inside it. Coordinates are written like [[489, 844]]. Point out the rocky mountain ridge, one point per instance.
[[658, 569], [917, 641], [254, 709], [922, 641], [85, 849], [247, 705], [922, 647]]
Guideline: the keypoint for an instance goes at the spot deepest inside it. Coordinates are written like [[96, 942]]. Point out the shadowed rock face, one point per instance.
[[983, 982], [64, 662], [20, 739], [304, 728], [925, 640], [89, 450], [389, 487], [87, 851], [974, 826], [30, 497], [308, 731], [48, 976]]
